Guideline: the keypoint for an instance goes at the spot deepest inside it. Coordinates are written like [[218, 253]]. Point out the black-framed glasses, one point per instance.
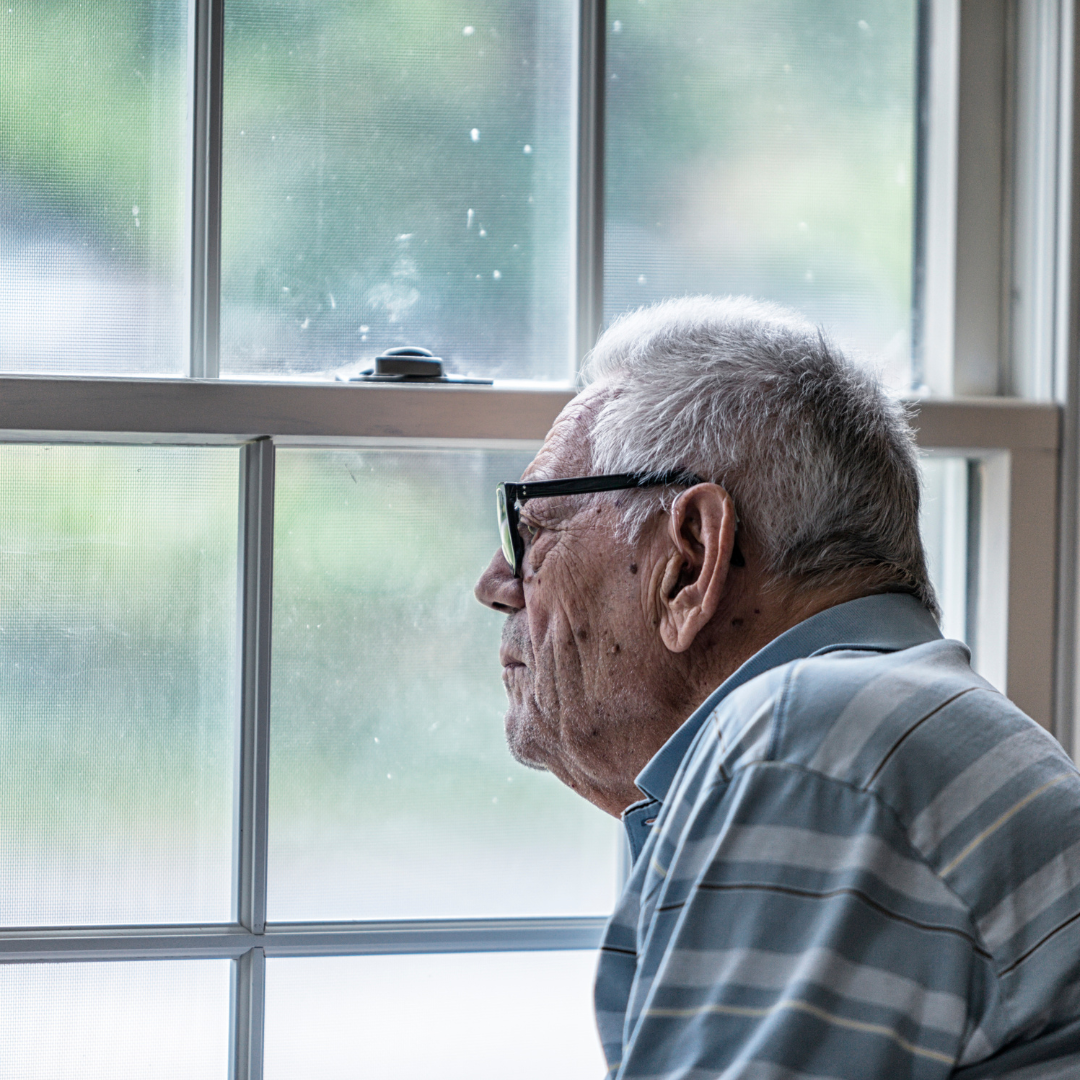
[[510, 497]]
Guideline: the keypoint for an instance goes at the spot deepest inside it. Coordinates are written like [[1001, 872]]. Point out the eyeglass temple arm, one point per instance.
[[583, 485]]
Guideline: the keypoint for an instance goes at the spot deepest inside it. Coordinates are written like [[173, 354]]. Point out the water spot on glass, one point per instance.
[[376, 738], [475, 134], [864, 26], [333, 302], [494, 798], [134, 211], [483, 232], [496, 274], [515, 247], [389, 776], [305, 324], [468, 220], [526, 149], [273, 137], [530, 198], [803, 227], [468, 31], [787, 69], [477, 277], [404, 236], [243, 132], [614, 77], [809, 275], [616, 27], [284, 288], [364, 329]]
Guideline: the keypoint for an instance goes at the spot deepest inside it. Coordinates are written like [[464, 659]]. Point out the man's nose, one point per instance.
[[498, 588]]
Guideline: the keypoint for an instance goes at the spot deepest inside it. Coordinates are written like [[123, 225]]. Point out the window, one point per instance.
[[255, 783]]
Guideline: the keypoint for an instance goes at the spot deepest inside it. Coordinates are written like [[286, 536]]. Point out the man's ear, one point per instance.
[[700, 542]]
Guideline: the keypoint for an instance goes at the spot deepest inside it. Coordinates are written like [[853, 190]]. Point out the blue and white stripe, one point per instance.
[[866, 864]]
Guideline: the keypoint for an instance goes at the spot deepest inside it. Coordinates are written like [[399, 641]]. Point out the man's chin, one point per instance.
[[523, 747]]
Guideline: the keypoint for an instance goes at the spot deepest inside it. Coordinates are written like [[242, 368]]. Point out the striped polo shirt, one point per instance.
[[856, 860]]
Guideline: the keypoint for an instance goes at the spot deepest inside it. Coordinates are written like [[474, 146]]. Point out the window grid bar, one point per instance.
[[247, 1011], [923, 32], [252, 805], [207, 76], [592, 74], [255, 601], [1067, 688], [301, 939]]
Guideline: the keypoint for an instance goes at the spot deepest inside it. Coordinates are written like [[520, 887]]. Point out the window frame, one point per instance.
[[1029, 452]]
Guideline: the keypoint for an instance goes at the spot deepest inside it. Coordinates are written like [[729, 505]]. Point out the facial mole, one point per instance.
[[757, 611], [736, 622], [594, 732], [633, 568], [582, 634]]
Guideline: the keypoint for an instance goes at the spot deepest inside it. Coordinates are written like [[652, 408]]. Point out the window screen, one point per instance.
[[392, 792], [463, 1016], [117, 676]]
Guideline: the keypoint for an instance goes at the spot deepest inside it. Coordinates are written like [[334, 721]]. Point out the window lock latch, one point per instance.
[[409, 364]]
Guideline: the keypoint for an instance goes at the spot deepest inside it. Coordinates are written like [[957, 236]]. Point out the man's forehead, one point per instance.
[[566, 450]]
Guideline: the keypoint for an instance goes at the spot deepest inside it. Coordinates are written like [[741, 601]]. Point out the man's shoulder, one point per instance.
[[847, 713], [901, 725], [839, 711]]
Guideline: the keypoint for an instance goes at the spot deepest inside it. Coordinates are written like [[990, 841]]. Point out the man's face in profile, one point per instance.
[[575, 646]]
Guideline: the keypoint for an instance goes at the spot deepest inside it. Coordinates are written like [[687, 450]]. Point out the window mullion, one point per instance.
[[207, 51], [250, 829], [253, 757], [590, 162], [247, 1010]]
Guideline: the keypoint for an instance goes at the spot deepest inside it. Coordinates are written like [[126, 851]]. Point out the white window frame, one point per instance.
[[971, 265]]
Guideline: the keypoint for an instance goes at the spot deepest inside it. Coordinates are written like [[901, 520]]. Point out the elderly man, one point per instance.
[[853, 858]]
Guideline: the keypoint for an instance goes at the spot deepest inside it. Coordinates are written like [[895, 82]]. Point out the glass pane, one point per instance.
[[765, 147], [945, 535], [398, 174], [94, 167], [117, 628], [392, 793], [115, 1021], [465, 1016]]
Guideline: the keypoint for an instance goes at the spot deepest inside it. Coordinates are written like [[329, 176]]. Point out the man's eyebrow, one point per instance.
[[549, 507]]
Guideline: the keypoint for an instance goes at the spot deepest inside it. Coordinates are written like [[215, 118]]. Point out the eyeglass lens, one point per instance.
[[505, 532]]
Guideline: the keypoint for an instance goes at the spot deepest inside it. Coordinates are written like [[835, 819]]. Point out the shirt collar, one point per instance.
[[886, 622]]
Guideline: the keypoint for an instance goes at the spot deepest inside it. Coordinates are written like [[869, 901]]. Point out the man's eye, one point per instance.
[[527, 530]]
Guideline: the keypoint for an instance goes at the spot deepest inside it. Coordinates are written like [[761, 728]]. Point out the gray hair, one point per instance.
[[819, 461]]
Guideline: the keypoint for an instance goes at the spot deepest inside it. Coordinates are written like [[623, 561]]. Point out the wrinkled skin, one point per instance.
[[607, 648]]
